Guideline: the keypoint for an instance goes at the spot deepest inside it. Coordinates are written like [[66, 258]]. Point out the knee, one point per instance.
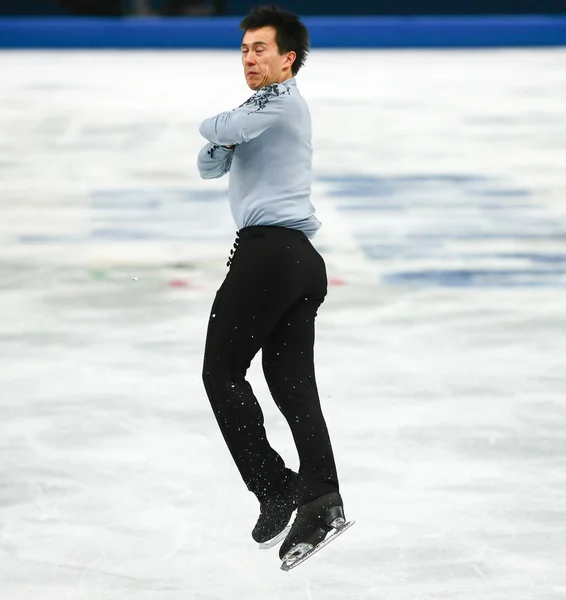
[[288, 389], [211, 374], [274, 378], [220, 377], [205, 376]]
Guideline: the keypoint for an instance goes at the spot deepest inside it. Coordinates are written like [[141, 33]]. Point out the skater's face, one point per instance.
[[262, 61]]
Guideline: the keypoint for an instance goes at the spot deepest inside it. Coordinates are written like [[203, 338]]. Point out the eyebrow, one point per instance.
[[255, 44]]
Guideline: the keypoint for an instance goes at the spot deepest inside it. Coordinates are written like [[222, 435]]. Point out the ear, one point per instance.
[[290, 59]]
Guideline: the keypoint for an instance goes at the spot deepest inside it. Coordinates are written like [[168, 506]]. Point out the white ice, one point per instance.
[[441, 349]]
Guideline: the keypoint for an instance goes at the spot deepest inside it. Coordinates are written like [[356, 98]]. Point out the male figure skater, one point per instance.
[[274, 287]]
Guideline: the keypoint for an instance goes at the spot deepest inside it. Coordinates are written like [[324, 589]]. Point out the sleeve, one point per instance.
[[248, 121], [214, 161]]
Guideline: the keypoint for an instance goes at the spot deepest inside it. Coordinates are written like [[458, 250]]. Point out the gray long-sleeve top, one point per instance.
[[271, 164]]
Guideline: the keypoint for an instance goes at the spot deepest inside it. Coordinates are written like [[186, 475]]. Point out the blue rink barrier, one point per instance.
[[326, 32]]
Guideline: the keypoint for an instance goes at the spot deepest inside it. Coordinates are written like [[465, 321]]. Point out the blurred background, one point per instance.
[[311, 7]]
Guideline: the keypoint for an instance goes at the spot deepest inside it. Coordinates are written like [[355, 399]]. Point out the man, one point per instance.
[[276, 283]]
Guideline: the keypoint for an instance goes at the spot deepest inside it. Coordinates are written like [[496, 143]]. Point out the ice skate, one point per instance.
[[317, 524], [275, 513]]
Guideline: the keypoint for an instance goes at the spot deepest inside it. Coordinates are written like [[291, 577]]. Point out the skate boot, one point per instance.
[[275, 514], [314, 521]]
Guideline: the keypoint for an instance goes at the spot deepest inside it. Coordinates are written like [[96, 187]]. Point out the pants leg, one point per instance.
[[271, 271], [233, 340], [288, 365]]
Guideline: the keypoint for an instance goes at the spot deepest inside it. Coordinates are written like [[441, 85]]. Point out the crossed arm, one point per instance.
[[228, 129], [214, 161]]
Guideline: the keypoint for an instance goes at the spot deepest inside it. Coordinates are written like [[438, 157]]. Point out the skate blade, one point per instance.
[[302, 552], [274, 541]]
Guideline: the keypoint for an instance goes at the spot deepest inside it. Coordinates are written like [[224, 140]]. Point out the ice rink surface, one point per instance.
[[441, 354]]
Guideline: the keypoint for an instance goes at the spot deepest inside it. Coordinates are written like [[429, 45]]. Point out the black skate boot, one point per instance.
[[275, 513], [313, 523]]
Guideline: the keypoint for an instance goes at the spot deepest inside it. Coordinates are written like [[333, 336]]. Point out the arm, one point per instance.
[[214, 161], [248, 121]]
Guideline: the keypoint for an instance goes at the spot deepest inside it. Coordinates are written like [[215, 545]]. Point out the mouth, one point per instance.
[[251, 73]]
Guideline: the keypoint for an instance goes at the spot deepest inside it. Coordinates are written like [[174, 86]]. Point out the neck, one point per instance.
[[283, 77]]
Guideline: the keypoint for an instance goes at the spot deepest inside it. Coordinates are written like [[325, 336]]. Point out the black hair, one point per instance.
[[291, 33]]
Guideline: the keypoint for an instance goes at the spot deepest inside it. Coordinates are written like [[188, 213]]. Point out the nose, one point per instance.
[[249, 59]]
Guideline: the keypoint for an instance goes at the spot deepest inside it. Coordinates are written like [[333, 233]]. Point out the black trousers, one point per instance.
[[269, 301]]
